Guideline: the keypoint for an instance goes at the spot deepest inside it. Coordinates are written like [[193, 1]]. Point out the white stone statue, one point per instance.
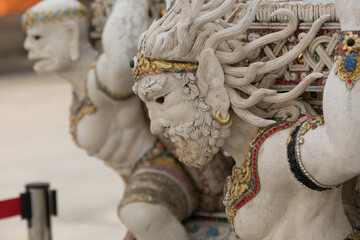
[[59, 44], [203, 92], [108, 121]]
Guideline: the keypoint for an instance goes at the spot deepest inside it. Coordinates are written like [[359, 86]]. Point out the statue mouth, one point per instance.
[[35, 57], [38, 60]]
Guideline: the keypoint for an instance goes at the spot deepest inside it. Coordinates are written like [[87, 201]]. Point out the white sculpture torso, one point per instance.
[[112, 68], [115, 131], [283, 209]]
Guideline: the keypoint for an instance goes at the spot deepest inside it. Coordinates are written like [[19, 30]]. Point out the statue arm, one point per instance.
[[342, 120], [331, 153], [120, 37], [342, 105]]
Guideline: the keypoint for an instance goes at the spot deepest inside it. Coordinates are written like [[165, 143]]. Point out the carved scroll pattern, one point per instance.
[[318, 57]]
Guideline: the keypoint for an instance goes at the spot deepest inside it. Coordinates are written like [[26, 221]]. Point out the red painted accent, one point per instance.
[[10, 208], [257, 145]]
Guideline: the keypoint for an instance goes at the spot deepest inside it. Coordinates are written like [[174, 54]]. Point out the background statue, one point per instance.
[[108, 121], [287, 185]]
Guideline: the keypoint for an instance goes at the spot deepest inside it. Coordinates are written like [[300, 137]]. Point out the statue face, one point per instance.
[[177, 111], [48, 45], [165, 101]]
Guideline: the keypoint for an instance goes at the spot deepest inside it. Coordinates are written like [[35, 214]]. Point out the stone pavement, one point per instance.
[[35, 145]]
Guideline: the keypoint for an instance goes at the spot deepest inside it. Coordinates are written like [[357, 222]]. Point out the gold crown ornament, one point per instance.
[[30, 19], [142, 66]]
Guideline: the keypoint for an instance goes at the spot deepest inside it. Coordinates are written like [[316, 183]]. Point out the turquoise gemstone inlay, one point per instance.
[[56, 15], [213, 232], [39, 18], [350, 63], [194, 229], [74, 11]]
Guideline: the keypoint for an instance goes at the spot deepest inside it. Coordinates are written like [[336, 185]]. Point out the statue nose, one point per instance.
[[156, 128]]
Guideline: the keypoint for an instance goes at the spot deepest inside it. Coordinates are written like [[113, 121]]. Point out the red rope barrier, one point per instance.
[[10, 208]]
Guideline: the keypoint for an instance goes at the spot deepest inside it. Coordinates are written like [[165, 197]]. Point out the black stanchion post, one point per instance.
[[38, 205]]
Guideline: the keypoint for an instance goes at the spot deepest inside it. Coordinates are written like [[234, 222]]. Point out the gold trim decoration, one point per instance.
[[30, 19], [355, 235], [348, 58], [159, 178], [104, 89], [295, 140], [221, 120], [143, 66], [79, 109], [350, 78], [313, 123], [350, 36], [244, 183]]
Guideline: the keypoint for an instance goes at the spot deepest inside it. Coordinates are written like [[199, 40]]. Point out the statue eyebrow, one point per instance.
[[152, 87], [150, 92]]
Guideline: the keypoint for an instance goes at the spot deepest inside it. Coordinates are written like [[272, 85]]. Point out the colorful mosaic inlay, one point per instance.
[[355, 235], [31, 19], [104, 89], [295, 140], [348, 57], [244, 183], [77, 111], [159, 178], [143, 66]]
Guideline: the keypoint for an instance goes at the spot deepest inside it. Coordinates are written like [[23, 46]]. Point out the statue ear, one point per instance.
[[211, 81], [74, 37]]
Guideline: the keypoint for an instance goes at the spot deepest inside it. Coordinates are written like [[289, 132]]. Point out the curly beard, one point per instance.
[[199, 140]]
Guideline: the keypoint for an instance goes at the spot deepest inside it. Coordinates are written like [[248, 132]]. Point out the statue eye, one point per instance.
[[37, 37], [133, 63], [160, 100]]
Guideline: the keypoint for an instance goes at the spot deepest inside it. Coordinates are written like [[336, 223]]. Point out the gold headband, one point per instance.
[[143, 66], [30, 19]]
